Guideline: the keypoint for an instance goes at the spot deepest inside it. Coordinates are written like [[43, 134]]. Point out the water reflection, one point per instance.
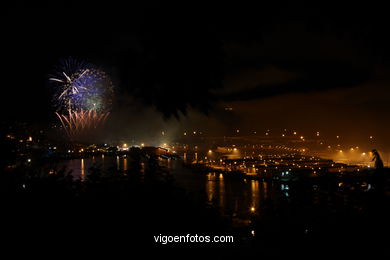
[[221, 187], [285, 189], [117, 163], [125, 164], [210, 188], [235, 197], [265, 190], [215, 189], [255, 195], [82, 172], [250, 201], [142, 167]]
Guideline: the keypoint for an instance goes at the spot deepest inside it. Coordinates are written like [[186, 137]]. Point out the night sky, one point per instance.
[[311, 67]]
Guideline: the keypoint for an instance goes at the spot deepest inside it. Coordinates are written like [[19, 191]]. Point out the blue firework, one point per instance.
[[81, 86]]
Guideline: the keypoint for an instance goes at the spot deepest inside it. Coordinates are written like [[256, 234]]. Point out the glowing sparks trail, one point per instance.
[[82, 97], [76, 122]]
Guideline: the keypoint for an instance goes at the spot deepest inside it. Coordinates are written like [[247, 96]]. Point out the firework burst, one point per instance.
[[82, 96]]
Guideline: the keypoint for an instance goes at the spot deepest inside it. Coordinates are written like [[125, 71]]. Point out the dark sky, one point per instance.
[[298, 65]]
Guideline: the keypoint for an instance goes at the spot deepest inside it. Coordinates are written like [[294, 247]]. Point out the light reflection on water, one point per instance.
[[255, 194], [221, 191], [80, 167], [125, 164], [82, 170], [246, 200], [236, 197], [210, 188]]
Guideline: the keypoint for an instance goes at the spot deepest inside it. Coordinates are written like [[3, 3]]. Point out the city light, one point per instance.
[[174, 147]]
